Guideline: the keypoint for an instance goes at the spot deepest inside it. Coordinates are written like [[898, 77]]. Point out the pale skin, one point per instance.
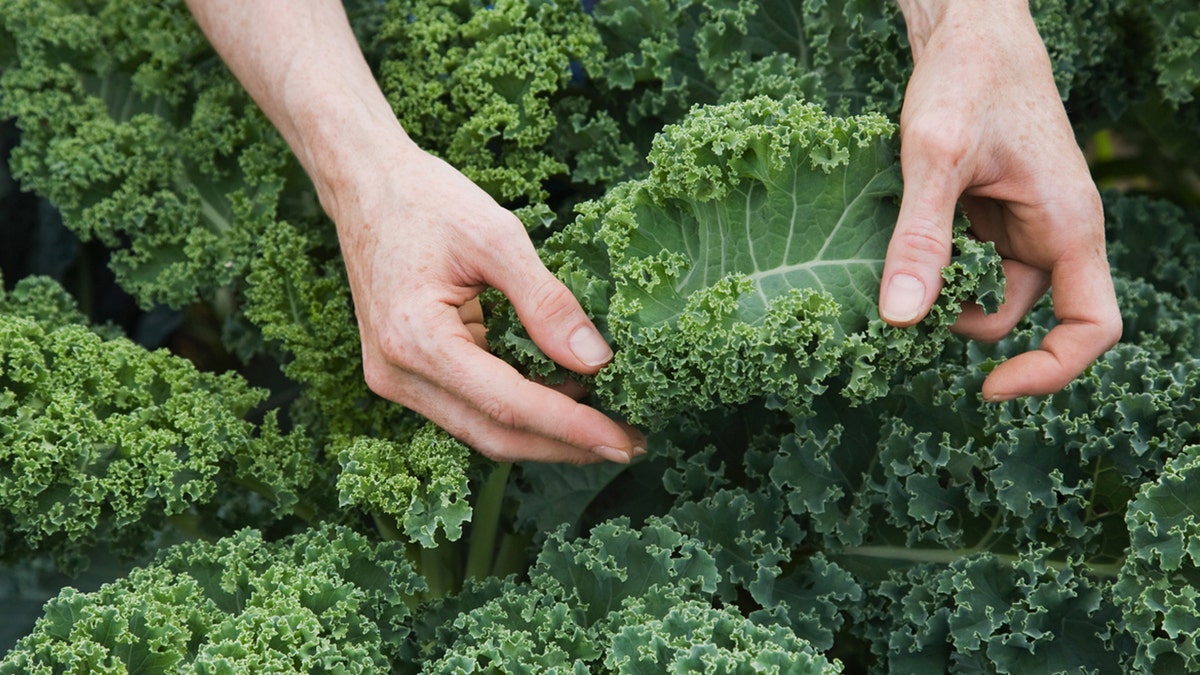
[[420, 241], [983, 127]]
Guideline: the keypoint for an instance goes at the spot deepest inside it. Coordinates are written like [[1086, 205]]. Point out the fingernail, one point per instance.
[[903, 299], [589, 347], [611, 454], [638, 451]]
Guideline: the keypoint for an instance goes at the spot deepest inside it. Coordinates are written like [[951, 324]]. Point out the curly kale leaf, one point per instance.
[[101, 440], [530, 97], [664, 56], [327, 600], [931, 476], [853, 57], [421, 483], [1049, 530], [695, 637], [932, 469], [1080, 38], [1176, 33], [755, 546], [986, 614], [1158, 585], [45, 300], [494, 89], [620, 601], [133, 128], [747, 264], [1161, 260], [951, 534], [1157, 290]]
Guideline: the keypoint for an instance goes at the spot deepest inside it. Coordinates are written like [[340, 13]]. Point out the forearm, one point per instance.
[[302, 65]]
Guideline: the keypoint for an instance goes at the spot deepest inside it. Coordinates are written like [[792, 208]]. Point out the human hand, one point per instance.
[[983, 121], [420, 241]]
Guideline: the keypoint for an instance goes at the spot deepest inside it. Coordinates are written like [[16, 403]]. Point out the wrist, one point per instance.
[[924, 18], [344, 138]]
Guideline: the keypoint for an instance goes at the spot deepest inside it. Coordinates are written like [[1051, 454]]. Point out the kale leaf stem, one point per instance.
[[948, 556], [485, 522]]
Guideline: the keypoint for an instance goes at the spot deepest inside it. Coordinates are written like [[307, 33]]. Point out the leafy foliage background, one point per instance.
[[188, 450]]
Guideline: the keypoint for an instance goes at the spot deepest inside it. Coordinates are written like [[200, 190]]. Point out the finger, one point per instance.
[[570, 388], [1024, 285], [441, 364], [1089, 323], [500, 443], [478, 334], [503, 444], [548, 310], [510, 401], [920, 244], [471, 314], [488, 437], [471, 311]]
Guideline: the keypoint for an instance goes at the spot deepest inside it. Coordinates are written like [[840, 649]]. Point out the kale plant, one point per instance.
[[716, 181]]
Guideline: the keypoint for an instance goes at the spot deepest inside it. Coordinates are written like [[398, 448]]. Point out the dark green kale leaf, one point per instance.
[[327, 600], [101, 441], [133, 128]]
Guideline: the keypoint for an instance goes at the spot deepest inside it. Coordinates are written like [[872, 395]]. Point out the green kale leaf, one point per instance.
[[327, 600], [101, 441], [747, 264], [1158, 586], [622, 600]]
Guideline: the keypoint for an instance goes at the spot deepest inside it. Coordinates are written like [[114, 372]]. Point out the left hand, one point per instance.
[[983, 122]]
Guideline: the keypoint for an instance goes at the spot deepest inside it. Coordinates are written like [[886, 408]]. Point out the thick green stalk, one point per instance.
[[485, 522], [439, 566]]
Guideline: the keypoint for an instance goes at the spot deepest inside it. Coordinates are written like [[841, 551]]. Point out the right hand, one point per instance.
[[420, 241]]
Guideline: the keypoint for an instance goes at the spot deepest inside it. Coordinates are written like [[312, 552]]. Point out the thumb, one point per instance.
[[552, 315], [918, 250]]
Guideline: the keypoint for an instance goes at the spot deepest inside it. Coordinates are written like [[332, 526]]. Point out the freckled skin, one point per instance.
[[420, 242], [983, 129]]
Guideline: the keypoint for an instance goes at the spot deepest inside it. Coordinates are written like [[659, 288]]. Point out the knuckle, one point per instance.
[[943, 142], [391, 355], [383, 377], [1091, 205], [553, 302], [501, 411], [1077, 207], [393, 349], [1111, 328], [502, 233], [377, 377], [922, 239]]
